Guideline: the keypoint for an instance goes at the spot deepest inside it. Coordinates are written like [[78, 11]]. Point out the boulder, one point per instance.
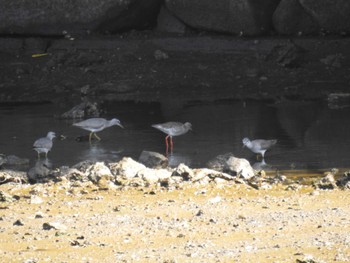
[[83, 110], [219, 162], [332, 16], [290, 18], [65, 17], [153, 159], [151, 176], [240, 167], [184, 171], [167, 22], [250, 17], [126, 168], [312, 16], [98, 171]]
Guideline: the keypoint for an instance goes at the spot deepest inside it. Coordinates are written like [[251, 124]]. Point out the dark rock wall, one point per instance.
[[247, 17]]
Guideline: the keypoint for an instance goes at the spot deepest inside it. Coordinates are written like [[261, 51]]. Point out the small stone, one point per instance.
[[54, 225], [18, 222], [34, 199], [215, 200], [200, 212], [39, 215]]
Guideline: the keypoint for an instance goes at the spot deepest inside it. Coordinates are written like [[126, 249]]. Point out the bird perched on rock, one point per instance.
[[172, 129], [97, 124], [258, 146], [44, 145]]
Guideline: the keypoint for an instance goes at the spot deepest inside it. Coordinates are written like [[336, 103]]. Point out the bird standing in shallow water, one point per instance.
[[259, 145], [172, 129], [44, 145], [97, 124]]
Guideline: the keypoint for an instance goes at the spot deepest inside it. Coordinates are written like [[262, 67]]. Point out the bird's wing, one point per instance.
[[94, 123], [42, 143], [168, 127], [265, 144]]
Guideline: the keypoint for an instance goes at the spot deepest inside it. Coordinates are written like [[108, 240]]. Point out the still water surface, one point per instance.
[[310, 135]]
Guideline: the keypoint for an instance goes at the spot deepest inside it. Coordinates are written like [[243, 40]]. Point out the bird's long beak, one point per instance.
[[121, 126], [243, 146]]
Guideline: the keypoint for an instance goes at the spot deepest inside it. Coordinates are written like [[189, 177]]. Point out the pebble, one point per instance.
[[34, 199], [54, 225], [18, 222]]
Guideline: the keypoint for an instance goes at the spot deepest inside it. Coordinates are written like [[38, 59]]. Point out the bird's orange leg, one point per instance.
[[166, 144], [171, 144]]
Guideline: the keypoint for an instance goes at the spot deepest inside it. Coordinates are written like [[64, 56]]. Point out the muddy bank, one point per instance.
[[151, 67], [128, 212], [58, 222]]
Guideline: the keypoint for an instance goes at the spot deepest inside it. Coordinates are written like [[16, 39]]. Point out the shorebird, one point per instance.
[[44, 145], [172, 129], [258, 146], [97, 124]]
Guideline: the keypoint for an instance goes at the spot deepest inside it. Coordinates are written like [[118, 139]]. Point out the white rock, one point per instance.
[[154, 176], [239, 166], [34, 199], [215, 200], [184, 171], [98, 170], [127, 168]]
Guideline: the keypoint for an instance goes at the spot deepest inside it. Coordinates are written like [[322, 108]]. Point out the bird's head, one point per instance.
[[245, 141], [116, 122], [188, 126], [51, 135]]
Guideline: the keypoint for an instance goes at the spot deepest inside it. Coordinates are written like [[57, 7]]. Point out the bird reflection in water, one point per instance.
[[40, 170], [258, 166], [96, 152], [176, 158]]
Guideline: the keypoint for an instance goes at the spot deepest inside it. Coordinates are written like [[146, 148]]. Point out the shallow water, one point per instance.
[[310, 135]]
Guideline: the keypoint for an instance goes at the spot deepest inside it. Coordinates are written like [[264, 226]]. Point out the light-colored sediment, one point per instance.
[[232, 223]]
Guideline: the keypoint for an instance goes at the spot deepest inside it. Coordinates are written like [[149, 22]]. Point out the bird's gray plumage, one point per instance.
[[97, 124], [259, 145], [44, 145], [173, 128]]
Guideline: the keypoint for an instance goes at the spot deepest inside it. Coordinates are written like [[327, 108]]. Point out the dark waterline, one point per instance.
[[310, 135]]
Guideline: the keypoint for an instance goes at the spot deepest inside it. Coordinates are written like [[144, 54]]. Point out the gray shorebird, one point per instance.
[[172, 129], [97, 124], [44, 145], [258, 146]]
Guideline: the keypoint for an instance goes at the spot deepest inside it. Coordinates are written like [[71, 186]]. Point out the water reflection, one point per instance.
[[262, 166], [41, 168], [96, 152], [176, 158]]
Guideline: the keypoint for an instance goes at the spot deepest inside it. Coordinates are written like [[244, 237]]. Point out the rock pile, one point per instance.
[[153, 170]]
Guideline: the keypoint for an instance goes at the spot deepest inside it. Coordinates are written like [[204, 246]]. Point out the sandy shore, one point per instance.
[[78, 222]]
